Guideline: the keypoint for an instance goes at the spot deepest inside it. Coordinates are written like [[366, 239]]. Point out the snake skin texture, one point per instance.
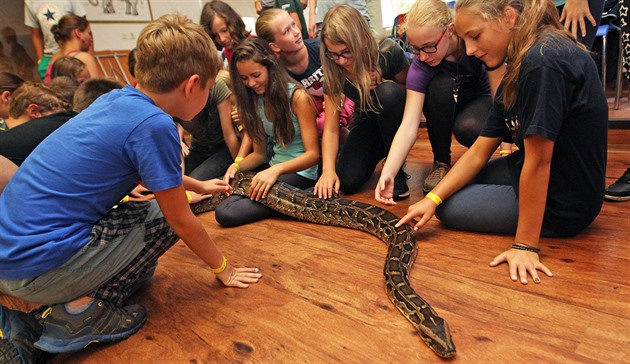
[[372, 219]]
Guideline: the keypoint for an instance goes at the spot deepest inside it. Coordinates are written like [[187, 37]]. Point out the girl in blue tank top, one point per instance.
[[275, 111]]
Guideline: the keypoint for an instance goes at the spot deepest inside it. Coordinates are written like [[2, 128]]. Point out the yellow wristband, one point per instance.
[[238, 168], [238, 159], [189, 197], [221, 268], [125, 199], [435, 198]]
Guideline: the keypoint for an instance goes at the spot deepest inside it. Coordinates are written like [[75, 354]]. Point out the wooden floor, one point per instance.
[[322, 298]]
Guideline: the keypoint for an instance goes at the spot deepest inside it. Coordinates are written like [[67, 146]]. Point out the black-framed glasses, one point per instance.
[[335, 56], [428, 49]]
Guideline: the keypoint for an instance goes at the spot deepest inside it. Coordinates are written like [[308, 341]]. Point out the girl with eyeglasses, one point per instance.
[[371, 75], [449, 86], [271, 105], [552, 104]]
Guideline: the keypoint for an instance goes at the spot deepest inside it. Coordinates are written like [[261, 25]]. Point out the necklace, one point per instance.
[[457, 77]]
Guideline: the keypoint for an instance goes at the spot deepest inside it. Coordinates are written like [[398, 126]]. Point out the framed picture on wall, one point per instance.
[[117, 10]]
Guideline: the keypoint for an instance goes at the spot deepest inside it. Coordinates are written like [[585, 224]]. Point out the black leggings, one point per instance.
[[371, 136], [446, 118]]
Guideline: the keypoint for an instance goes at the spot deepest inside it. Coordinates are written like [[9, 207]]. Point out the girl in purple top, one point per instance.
[[450, 87]]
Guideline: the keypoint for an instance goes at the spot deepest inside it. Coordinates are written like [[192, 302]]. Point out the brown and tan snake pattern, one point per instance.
[[379, 222]]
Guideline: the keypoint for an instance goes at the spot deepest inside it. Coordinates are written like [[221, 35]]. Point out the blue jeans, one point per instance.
[[204, 164], [237, 210]]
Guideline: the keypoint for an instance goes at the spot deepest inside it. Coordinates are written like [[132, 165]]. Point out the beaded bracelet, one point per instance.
[[221, 268], [525, 248]]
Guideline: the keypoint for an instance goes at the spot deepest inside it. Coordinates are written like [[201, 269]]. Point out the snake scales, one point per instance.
[[379, 222]]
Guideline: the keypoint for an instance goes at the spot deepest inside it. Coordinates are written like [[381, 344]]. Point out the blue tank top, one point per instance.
[[291, 150]]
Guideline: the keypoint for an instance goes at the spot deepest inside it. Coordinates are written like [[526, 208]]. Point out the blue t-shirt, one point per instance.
[[78, 173], [313, 77]]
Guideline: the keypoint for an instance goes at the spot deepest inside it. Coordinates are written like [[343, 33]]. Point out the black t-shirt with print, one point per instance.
[[560, 98]]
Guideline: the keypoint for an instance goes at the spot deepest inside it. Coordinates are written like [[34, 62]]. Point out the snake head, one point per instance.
[[437, 336]]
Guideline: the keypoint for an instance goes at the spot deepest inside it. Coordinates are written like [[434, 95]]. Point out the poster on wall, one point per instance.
[[117, 10]]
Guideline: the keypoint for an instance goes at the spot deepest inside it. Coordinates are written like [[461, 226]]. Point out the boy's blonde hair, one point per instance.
[[35, 93], [170, 50], [428, 13]]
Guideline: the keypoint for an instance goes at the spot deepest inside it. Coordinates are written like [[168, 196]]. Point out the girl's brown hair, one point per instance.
[[62, 31], [233, 21], [278, 102], [9, 81], [66, 66], [536, 19]]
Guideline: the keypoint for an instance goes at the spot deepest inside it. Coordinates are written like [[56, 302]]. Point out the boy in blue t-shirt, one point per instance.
[[65, 246]]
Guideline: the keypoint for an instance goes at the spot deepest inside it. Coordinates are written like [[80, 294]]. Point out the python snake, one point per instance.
[[379, 222]]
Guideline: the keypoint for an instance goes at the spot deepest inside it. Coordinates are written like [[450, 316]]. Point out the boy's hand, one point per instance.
[[239, 277], [196, 197], [215, 186], [521, 263]]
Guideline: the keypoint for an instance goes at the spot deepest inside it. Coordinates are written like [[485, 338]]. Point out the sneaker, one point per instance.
[[18, 332], [401, 190], [437, 173], [620, 190], [100, 322]]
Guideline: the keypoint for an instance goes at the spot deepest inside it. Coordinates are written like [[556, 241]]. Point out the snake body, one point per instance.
[[379, 222]]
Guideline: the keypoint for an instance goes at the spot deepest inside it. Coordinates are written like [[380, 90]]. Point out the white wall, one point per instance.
[[123, 36]]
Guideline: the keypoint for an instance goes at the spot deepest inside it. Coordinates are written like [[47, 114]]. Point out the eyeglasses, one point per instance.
[[428, 49], [335, 56]]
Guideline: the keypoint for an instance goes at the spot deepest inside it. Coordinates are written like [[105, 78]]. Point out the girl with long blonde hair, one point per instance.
[[552, 105], [372, 75]]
